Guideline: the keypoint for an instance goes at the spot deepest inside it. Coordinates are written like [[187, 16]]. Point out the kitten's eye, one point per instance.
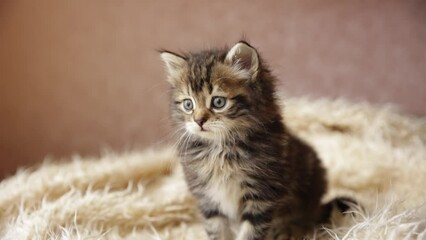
[[218, 102], [188, 105]]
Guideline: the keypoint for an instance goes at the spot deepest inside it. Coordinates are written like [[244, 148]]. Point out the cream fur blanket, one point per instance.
[[373, 154]]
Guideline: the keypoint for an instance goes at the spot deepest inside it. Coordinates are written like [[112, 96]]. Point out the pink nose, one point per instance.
[[201, 121]]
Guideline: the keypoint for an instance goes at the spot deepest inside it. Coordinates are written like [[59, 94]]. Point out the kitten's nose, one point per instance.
[[201, 121]]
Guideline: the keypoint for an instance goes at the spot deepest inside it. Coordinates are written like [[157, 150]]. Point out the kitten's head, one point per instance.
[[220, 94]]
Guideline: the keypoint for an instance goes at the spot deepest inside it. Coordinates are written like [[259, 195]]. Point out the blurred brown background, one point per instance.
[[79, 76]]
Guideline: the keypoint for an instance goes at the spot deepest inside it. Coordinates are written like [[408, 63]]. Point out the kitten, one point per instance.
[[252, 178]]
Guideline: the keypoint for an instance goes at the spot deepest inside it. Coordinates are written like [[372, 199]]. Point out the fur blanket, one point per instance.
[[374, 155]]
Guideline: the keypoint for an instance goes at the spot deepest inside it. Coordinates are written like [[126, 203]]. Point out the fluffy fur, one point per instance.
[[373, 154], [252, 177]]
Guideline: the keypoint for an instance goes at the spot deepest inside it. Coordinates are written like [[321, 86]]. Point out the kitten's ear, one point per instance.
[[174, 63], [244, 57]]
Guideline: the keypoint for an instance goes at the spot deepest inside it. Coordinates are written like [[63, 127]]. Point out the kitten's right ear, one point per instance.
[[174, 62], [244, 57]]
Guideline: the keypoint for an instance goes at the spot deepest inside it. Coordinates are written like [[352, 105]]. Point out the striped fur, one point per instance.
[[251, 176]]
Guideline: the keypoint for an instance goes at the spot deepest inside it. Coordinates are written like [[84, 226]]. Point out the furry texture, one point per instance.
[[252, 178], [373, 154]]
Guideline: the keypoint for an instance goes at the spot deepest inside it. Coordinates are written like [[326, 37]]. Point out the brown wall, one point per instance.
[[78, 76]]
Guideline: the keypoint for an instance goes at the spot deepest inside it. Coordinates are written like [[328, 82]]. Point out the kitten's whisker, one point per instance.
[[172, 135], [179, 141], [187, 141], [182, 137]]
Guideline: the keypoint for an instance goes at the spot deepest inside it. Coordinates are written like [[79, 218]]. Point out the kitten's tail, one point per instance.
[[340, 206]]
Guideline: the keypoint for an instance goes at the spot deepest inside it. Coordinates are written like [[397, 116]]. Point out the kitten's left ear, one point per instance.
[[244, 57], [174, 62]]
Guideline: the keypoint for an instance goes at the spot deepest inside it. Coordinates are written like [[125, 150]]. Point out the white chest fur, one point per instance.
[[224, 186], [224, 189]]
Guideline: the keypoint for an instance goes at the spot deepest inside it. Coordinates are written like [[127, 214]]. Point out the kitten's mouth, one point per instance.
[[204, 130], [205, 133]]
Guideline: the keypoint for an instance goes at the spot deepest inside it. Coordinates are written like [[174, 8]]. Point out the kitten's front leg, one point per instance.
[[217, 228], [215, 223], [256, 222]]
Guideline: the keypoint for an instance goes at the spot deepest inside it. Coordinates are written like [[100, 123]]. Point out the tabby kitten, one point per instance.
[[252, 178]]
